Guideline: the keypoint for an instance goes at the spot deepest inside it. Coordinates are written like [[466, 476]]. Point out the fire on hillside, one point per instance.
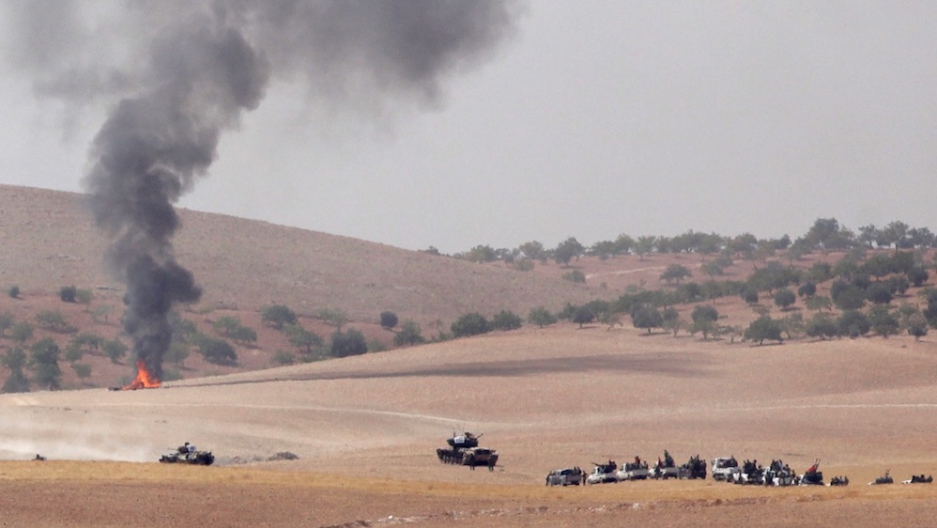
[[144, 380]]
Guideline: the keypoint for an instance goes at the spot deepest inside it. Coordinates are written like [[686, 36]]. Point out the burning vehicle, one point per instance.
[[144, 380]]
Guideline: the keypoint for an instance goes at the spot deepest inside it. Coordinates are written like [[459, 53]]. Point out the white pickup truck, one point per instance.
[[725, 468]]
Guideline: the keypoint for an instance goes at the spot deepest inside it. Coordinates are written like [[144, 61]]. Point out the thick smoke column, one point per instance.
[[149, 151], [183, 72]]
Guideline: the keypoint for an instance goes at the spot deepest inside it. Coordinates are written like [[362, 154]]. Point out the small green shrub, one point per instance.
[[282, 357], [388, 320]]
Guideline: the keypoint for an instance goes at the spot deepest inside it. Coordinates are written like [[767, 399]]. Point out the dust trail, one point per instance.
[[25, 437]]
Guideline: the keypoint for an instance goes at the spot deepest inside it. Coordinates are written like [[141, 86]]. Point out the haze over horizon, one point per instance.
[[594, 119]]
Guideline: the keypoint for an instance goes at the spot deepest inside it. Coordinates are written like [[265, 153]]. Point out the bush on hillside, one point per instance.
[[541, 317], [388, 320], [278, 316], [408, 335], [348, 343], [217, 351], [469, 325], [506, 320]]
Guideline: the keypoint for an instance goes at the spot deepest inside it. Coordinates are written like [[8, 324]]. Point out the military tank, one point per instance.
[[463, 450], [184, 455]]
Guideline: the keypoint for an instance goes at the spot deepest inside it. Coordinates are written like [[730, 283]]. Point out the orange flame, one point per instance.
[[144, 380]]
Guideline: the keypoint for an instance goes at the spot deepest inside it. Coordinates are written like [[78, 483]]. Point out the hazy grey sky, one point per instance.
[[596, 118]]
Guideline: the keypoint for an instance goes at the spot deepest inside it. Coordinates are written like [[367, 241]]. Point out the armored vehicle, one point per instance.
[[463, 450], [465, 440], [198, 458]]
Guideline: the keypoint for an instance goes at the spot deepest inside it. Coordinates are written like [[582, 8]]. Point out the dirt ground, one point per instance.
[[366, 429]]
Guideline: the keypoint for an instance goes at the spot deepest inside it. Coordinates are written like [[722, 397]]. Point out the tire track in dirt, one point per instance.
[[314, 408]]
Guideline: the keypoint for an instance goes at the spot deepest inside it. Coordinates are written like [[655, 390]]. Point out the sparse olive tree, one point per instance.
[[278, 316], [388, 320], [533, 250], [880, 293], [583, 315], [348, 343], [217, 351], [883, 320], [807, 289], [647, 317], [784, 298], [793, 325], [675, 273], [506, 320], [44, 362], [83, 296], [15, 360], [764, 328], [244, 336], [470, 324], [21, 332], [307, 342], [102, 313], [52, 320], [704, 320], [115, 350], [541, 317], [818, 303], [6, 322], [226, 325], [567, 250], [671, 320], [918, 276], [821, 325], [82, 370], [408, 335], [749, 295], [853, 323], [177, 354], [917, 326], [335, 317]]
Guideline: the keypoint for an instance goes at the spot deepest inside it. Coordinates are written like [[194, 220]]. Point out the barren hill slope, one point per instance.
[[49, 241]]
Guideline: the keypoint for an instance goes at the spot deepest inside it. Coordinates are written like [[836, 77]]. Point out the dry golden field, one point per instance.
[[366, 428]]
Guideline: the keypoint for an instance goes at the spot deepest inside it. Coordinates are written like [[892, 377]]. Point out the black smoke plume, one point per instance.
[[179, 73]]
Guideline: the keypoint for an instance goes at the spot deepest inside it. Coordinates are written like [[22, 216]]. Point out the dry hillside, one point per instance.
[[49, 242]]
